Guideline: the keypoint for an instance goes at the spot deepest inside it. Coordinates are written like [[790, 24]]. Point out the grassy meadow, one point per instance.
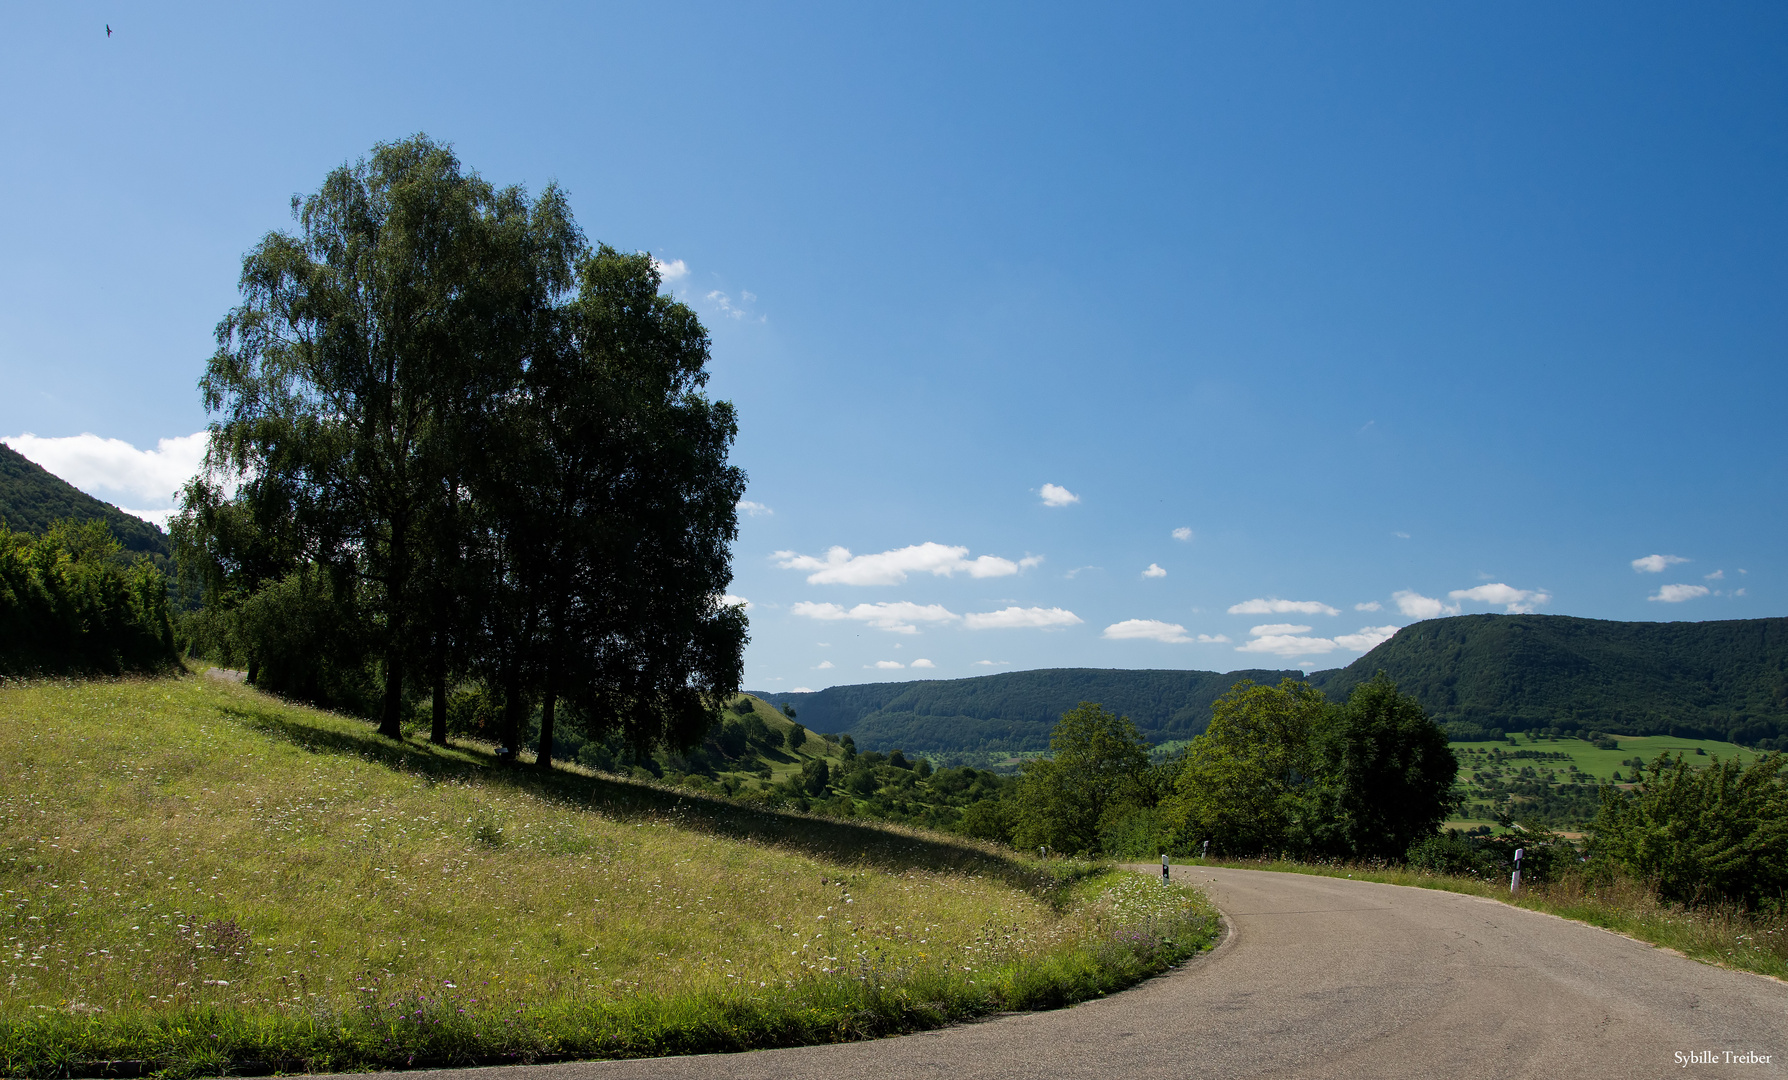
[[200, 879]]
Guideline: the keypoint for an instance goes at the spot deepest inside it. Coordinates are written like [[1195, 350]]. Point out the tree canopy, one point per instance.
[[469, 445]]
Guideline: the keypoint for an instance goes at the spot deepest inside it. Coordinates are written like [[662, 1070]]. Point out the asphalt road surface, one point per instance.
[[1319, 977]]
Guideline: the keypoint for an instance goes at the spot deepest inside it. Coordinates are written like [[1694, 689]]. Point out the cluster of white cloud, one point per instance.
[[1514, 601], [1056, 495], [754, 509], [904, 616], [840, 567], [729, 600], [1154, 571], [1676, 594], [1146, 630], [736, 311], [1370, 605], [1183, 534], [1275, 606], [1656, 564], [671, 272], [1291, 639], [114, 470], [1017, 618], [895, 665]]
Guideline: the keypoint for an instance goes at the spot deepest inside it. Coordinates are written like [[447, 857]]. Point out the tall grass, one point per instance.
[[200, 879], [1722, 934]]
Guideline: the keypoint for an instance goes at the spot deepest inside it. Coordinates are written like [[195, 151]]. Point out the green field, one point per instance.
[[1554, 780], [206, 879]]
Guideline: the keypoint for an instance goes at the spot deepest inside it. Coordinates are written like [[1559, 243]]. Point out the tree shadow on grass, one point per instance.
[[884, 847]]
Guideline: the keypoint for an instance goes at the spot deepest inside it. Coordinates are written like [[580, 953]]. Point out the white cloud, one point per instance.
[[116, 471], [840, 567], [1657, 564], [1288, 645], [1056, 495], [1369, 638], [1717, 575], [924, 663], [755, 509], [732, 310], [888, 665], [1154, 571], [1017, 618], [729, 600], [1279, 628], [992, 663], [1417, 606], [1515, 601], [1212, 639], [673, 271], [1370, 605], [1676, 594], [1146, 630], [1275, 606], [899, 616], [823, 665], [1182, 534], [802, 690], [1401, 535]]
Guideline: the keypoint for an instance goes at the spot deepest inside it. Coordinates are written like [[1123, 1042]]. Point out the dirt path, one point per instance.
[[1333, 978]]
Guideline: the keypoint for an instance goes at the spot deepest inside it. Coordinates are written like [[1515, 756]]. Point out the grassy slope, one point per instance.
[[1716, 935], [198, 875]]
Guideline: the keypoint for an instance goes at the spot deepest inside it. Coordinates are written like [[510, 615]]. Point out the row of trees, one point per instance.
[[454, 441], [1279, 769]]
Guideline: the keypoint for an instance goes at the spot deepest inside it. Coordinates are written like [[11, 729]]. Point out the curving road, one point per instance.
[[1321, 977]]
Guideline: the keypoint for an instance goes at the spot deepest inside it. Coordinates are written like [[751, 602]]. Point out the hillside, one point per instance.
[[1477, 673], [205, 880], [1480, 675], [1014, 710], [31, 499]]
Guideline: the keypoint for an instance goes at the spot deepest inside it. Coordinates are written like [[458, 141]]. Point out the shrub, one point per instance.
[[1720, 832]]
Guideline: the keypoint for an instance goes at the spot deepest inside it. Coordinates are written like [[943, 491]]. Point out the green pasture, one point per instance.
[[1598, 763]]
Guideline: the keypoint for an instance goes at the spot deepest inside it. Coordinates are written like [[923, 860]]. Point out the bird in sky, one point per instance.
[[108, 29]]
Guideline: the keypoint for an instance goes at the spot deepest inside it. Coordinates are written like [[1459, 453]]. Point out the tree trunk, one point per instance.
[[512, 711], [543, 757], [437, 729], [391, 717]]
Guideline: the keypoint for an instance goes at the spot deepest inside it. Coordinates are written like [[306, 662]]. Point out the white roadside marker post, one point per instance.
[[1515, 878], [1163, 869], [1207, 850]]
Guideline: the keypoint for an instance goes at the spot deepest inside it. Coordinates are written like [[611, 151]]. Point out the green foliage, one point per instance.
[[1702, 834], [1099, 762], [485, 451], [71, 603], [1246, 781], [32, 501], [1387, 775]]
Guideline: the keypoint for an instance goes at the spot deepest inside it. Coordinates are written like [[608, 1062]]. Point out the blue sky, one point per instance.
[[1431, 307]]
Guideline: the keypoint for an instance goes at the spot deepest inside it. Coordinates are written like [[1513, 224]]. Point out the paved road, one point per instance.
[[1331, 978]]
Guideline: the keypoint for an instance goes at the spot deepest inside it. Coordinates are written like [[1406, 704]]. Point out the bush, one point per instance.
[[1717, 833]]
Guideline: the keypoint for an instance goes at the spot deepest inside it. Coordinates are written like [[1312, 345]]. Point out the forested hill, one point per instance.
[[31, 499], [1013, 711], [1726, 680]]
